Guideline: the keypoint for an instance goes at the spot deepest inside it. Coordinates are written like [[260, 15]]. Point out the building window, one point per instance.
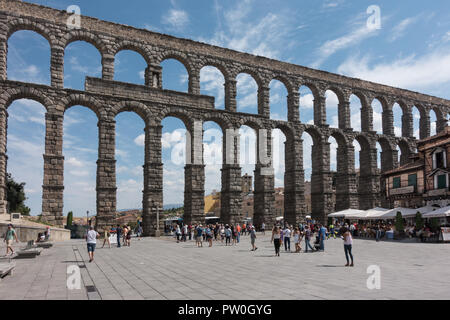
[[439, 159], [396, 182], [412, 180], [442, 181]]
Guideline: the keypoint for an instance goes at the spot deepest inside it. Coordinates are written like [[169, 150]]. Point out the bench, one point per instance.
[[6, 268], [44, 245], [30, 251]]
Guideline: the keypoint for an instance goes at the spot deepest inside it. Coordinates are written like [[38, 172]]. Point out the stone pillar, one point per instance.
[[425, 124], [106, 175], [293, 106], [264, 101], [369, 179], [231, 194], [388, 122], [53, 186], [321, 182], [194, 176], [264, 194], [344, 115], [3, 159], [346, 190], [389, 160], [194, 81], [320, 115], [230, 95], [108, 66], [407, 124], [57, 66], [294, 182], [3, 45], [441, 122], [366, 118], [153, 76], [152, 200]]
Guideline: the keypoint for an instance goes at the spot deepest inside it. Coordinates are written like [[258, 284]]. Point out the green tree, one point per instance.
[[419, 221], [399, 223], [15, 195], [69, 218], [434, 224]]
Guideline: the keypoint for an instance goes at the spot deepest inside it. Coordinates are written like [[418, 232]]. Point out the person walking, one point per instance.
[[228, 233], [118, 234], [125, 232], [263, 228], [276, 239], [238, 233], [322, 234], [297, 240], [91, 239], [199, 236], [139, 232], [307, 239], [331, 233], [128, 237], [253, 239], [348, 243], [287, 239], [106, 235], [9, 238], [209, 235]]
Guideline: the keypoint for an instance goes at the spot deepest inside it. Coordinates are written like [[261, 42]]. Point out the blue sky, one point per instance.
[[411, 50]]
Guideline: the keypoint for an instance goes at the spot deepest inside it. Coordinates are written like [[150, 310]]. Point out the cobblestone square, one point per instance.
[[163, 269]]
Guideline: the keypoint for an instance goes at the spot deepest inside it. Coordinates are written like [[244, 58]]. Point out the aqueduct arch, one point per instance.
[[108, 98]]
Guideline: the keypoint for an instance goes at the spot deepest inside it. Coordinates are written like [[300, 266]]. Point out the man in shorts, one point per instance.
[[9, 237], [91, 239]]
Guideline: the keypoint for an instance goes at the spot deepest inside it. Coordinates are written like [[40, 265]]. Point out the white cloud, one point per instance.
[[74, 162], [399, 30], [176, 19], [332, 46], [261, 36], [140, 140], [414, 73]]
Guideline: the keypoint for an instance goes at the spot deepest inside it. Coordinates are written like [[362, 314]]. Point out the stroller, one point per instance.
[[317, 244]]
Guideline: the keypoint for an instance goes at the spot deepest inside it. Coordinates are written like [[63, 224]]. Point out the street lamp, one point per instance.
[[87, 217]]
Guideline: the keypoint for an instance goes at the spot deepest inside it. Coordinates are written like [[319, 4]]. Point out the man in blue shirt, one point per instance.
[[322, 233]]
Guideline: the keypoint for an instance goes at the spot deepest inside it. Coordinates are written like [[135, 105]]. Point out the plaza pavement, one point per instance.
[[162, 269]]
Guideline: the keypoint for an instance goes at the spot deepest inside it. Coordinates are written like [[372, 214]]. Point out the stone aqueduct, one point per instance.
[[107, 98]]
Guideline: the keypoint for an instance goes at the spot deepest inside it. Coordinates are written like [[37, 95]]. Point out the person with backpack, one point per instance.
[[209, 235], [228, 234], [199, 236]]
